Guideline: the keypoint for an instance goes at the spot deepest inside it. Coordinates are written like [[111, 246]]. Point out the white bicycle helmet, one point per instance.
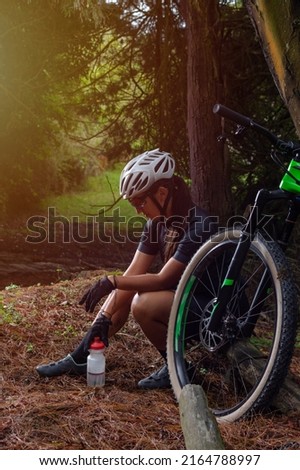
[[143, 171]]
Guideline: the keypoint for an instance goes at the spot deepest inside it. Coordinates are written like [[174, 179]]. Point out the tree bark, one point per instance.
[[288, 397], [199, 426], [278, 27], [209, 166]]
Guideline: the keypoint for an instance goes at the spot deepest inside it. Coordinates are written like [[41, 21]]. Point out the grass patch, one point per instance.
[[99, 191], [83, 207]]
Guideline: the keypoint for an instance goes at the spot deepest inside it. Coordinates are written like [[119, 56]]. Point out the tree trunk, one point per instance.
[[288, 397], [278, 26], [209, 167]]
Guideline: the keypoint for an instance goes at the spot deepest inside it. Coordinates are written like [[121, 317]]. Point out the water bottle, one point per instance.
[[96, 364]]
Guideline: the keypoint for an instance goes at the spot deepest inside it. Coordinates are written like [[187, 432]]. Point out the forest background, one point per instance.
[[83, 87]]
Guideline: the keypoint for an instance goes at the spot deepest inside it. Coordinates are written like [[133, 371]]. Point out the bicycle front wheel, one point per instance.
[[241, 365]]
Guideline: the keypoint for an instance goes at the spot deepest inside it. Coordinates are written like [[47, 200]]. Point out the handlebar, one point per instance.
[[232, 115], [247, 122]]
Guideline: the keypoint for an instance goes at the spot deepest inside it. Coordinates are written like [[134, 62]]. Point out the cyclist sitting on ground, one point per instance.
[[175, 228]]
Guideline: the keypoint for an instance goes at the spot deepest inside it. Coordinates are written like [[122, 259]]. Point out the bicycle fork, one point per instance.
[[237, 261]]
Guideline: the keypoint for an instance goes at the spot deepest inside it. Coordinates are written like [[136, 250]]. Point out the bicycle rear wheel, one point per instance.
[[242, 365]]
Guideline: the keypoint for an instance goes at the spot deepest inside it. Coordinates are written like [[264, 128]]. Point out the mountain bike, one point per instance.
[[233, 322]]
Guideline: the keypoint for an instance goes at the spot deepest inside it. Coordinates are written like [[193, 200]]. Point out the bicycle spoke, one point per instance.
[[232, 363]]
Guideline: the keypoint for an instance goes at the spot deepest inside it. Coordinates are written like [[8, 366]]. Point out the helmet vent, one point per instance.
[[159, 165], [143, 171], [136, 179], [142, 184]]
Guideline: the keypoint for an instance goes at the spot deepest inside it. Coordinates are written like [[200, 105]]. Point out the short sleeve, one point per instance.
[[198, 229], [149, 243]]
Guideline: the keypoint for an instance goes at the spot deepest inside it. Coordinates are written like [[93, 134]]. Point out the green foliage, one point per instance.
[[75, 87], [8, 313], [99, 191], [87, 83], [130, 90], [43, 55]]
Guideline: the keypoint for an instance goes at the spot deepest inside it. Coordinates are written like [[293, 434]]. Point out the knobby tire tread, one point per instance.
[[288, 314]]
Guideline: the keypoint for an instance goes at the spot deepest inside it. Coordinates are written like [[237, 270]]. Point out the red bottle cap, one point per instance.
[[97, 344]]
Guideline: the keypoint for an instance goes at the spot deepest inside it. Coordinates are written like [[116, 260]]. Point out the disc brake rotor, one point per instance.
[[211, 340]]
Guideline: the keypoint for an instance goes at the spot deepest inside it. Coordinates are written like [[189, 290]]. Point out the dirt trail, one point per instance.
[[25, 263]]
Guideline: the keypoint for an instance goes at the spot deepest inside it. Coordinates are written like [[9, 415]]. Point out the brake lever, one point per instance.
[[240, 130]]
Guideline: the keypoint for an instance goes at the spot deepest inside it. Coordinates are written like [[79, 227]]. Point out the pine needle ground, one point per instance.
[[44, 323]]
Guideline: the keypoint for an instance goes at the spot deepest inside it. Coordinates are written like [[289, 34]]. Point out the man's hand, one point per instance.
[[99, 329], [100, 289]]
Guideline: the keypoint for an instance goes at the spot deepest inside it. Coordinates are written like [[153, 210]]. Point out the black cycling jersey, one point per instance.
[[193, 230]]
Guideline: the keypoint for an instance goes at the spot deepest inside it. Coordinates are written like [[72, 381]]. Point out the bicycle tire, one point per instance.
[[212, 359]]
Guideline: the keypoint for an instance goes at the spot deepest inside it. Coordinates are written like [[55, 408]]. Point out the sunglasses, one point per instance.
[[138, 202]]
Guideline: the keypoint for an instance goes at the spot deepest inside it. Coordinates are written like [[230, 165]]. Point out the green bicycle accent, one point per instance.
[[291, 180], [228, 282], [255, 333], [181, 311]]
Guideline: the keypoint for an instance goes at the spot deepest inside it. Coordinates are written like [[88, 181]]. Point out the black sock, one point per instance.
[[80, 354], [163, 353]]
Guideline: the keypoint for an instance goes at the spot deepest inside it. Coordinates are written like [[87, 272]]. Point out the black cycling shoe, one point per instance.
[[67, 365], [159, 379]]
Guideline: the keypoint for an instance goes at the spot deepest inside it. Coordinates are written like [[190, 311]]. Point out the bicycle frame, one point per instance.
[[254, 222], [289, 188], [232, 326]]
